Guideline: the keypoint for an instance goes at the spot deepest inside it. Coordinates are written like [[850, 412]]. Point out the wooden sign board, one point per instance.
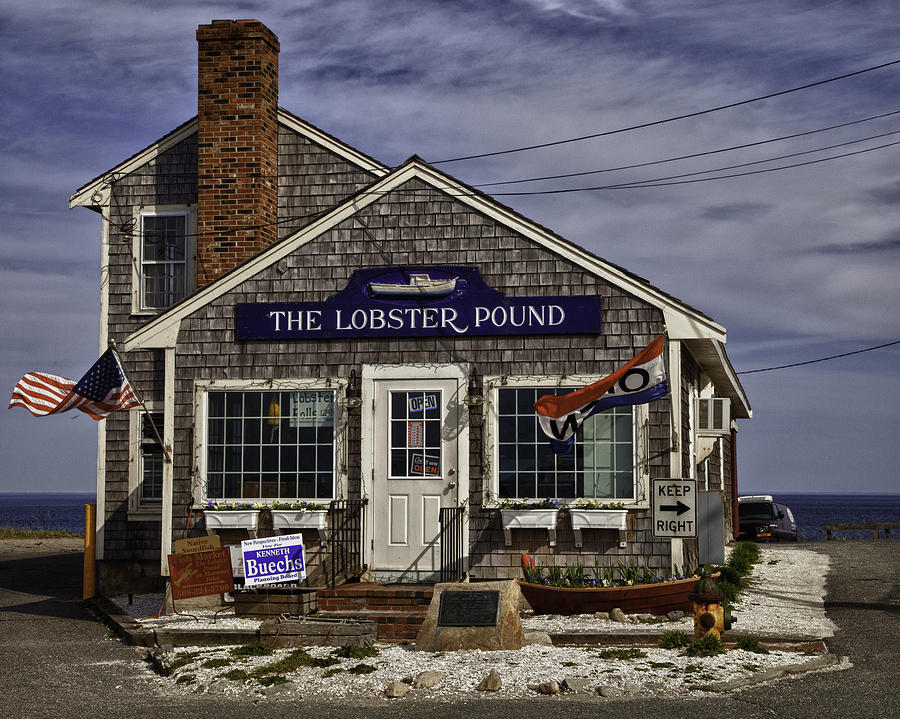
[[193, 545], [201, 573]]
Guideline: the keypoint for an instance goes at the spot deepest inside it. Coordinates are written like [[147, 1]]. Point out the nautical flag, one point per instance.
[[640, 380], [104, 389]]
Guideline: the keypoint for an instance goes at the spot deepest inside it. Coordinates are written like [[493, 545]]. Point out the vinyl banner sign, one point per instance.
[[273, 559], [425, 301]]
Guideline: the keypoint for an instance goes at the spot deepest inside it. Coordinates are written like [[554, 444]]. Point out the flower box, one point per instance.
[[232, 519], [596, 519], [528, 519], [299, 519]]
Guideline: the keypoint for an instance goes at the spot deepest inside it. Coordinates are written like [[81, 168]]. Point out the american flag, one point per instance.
[[104, 389]]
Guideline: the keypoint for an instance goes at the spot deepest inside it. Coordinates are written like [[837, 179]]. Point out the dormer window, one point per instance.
[[164, 258]]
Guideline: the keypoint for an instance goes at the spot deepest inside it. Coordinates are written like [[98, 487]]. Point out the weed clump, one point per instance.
[[255, 649], [622, 653], [751, 644], [673, 639], [349, 652], [708, 645], [183, 659], [362, 669], [272, 679], [236, 675], [216, 663]]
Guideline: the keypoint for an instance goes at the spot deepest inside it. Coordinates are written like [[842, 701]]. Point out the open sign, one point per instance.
[[420, 464], [420, 403]]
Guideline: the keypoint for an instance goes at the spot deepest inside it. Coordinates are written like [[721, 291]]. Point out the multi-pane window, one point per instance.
[[164, 254], [270, 445], [151, 459], [415, 434], [600, 465]]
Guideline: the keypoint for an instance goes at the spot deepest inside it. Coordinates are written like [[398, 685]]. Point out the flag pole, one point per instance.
[[115, 351]]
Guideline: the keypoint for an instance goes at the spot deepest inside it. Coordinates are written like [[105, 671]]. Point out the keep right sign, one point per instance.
[[674, 508]]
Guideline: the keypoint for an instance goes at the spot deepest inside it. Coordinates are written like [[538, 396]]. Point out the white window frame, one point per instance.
[[339, 460], [137, 253], [640, 416], [138, 508]]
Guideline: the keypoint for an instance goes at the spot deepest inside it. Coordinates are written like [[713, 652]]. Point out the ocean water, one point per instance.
[[66, 511], [45, 511]]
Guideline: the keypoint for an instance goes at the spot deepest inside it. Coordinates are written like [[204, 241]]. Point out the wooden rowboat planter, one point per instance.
[[658, 598]]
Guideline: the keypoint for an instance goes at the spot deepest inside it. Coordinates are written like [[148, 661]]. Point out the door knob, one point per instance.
[[451, 484]]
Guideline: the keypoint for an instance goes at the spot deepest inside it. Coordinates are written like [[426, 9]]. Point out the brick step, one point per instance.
[[392, 625], [360, 597]]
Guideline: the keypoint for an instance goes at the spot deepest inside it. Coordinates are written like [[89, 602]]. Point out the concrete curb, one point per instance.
[[822, 662]]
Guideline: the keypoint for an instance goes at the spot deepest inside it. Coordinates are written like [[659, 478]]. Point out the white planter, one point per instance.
[[238, 519], [528, 519], [295, 519], [597, 519]]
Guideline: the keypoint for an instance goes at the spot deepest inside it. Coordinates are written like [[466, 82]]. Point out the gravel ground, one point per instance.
[[786, 598]]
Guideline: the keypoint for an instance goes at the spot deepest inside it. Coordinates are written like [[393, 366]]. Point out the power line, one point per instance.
[[821, 359], [685, 116], [659, 183], [691, 156]]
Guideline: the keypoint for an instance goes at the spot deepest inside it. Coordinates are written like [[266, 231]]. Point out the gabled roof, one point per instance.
[[682, 321], [92, 193]]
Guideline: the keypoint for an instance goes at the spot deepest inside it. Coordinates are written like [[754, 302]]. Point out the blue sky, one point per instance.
[[797, 264]]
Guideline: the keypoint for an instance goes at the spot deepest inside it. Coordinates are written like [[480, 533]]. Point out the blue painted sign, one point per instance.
[[420, 301], [273, 559]]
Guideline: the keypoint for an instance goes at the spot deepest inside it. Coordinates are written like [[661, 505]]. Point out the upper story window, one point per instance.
[[164, 257], [600, 465], [270, 444]]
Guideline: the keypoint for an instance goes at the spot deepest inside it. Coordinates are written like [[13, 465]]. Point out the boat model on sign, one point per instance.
[[419, 285]]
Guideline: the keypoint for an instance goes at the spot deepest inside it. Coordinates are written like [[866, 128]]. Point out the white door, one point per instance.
[[416, 425]]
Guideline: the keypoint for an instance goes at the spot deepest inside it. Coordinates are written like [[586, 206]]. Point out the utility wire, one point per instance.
[[659, 183], [685, 116], [821, 359], [688, 157]]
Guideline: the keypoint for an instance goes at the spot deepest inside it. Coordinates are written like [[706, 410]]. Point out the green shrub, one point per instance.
[[709, 645], [362, 669], [216, 663], [236, 675], [673, 639]]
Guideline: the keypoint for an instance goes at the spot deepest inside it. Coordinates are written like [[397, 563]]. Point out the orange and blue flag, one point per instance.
[[640, 380]]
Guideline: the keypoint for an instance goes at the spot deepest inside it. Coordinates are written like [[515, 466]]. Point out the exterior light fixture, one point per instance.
[[351, 394], [473, 398]]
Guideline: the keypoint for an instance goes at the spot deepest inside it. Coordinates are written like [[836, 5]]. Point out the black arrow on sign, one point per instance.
[[681, 508]]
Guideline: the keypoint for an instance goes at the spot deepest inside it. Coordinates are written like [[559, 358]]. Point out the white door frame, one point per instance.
[[373, 373]]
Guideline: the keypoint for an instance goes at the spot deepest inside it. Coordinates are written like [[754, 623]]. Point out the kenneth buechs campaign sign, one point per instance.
[[273, 559]]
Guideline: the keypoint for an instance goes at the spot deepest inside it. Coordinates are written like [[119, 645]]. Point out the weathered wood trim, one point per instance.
[[168, 467]]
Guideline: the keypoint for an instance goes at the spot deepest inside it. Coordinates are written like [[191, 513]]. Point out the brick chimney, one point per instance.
[[237, 152]]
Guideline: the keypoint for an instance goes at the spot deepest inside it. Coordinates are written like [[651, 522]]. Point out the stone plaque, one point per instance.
[[469, 609]]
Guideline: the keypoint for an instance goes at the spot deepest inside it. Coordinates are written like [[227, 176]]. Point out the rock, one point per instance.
[[610, 692], [654, 687], [161, 659], [507, 633], [217, 686], [428, 679], [642, 617], [601, 615], [143, 653], [575, 684], [407, 680], [551, 687], [617, 615], [675, 615], [276, 689], [395, 690], [633, 687], [538, 638], [491, 683]]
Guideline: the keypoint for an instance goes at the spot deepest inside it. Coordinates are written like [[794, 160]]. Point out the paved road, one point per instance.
[[56, 661]]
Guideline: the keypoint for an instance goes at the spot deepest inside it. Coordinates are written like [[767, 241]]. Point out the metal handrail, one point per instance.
[[347, 520], [452, 556]]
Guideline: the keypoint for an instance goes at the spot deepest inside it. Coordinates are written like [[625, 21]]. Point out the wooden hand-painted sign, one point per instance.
[[200, 573], [421, 301]]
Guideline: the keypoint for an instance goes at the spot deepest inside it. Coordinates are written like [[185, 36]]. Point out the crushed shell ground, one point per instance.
[[786, 598]]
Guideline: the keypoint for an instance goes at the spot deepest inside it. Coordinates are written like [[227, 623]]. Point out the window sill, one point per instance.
[[152, 514]]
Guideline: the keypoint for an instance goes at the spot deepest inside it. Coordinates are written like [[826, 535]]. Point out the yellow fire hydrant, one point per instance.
[[709, 615]]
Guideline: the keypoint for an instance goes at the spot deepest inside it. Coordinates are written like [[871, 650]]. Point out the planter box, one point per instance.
[[239, 519], [287, 520], [596, 519], [274, 602], [528, 519], [295, 519]]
